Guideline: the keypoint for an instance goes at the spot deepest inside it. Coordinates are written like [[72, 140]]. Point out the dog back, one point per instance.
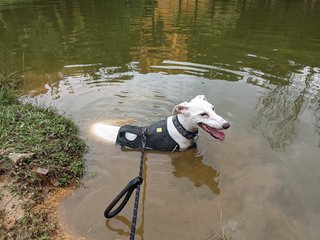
[[157, 137]]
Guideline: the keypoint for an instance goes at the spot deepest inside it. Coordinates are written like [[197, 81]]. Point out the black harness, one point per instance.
[[157, 136]]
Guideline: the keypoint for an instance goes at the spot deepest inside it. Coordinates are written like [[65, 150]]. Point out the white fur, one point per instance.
[[190, 114], [106, 132]]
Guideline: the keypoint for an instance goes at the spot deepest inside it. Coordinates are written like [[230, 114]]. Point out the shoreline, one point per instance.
[[41, 163]]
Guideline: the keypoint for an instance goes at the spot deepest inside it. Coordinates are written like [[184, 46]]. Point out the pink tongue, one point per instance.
[[214, 132], [217, 134]]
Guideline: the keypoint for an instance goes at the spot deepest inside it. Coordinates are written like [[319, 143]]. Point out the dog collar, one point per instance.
[[187, 134]]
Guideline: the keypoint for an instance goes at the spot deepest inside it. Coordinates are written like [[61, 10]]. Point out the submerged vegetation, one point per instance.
[[39, 152]]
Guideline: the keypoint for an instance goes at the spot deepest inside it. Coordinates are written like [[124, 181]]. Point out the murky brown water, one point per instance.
[[258, 62]]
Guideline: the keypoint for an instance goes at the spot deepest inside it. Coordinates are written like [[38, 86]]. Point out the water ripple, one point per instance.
[[224, 72]]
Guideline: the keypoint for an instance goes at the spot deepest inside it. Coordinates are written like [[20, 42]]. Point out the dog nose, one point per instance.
[[226, 125]]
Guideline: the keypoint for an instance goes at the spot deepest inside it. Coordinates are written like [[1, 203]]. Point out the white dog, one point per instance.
[[176, 133]]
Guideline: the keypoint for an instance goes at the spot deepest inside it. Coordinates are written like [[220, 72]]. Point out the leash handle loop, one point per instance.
[[127, 192]]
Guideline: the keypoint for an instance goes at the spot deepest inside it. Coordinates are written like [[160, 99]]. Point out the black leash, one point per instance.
[[127, 192]]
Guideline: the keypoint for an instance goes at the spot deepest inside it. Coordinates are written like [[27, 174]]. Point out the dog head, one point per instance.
[[200, 113]]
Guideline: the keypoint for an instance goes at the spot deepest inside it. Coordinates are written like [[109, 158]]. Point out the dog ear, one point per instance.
[[202, 97], [180, 108]]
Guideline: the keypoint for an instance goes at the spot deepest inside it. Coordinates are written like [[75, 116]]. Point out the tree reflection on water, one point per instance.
[[280, 109]]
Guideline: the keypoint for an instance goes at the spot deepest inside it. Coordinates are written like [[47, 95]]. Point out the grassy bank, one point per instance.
[[51, 156]]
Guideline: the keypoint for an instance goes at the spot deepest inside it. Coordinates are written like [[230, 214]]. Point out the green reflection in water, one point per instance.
[[272, 44], [255, 34]]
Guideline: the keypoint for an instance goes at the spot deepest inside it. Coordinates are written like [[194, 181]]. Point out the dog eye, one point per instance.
[[204, 115], [212, 108]]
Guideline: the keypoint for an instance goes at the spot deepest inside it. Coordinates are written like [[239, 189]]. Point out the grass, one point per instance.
[[53, 139], [55, 142]]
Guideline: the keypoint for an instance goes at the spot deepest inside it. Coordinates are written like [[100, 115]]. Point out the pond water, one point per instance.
[[120, 61]]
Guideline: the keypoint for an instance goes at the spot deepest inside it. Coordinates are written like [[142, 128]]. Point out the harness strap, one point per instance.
[[184, 132]]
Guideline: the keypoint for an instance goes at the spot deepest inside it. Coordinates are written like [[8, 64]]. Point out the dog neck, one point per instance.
[[184, 129], [186, 123]]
